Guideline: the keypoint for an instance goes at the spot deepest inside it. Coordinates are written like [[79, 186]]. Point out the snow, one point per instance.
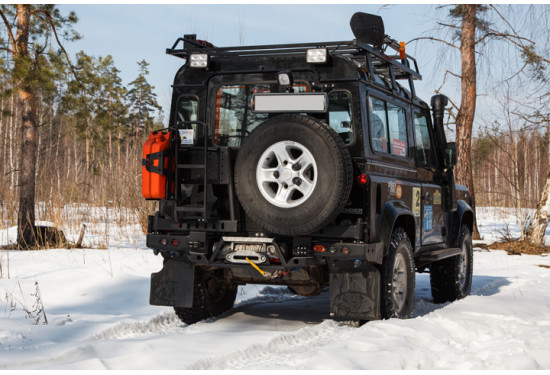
[[96, 303]]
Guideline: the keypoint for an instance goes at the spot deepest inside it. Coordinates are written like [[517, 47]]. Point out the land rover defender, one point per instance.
[[311, 166]]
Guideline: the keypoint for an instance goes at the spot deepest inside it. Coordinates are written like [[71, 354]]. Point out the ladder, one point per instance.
[[184, 167]]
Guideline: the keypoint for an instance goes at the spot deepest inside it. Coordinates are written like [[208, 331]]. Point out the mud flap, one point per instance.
[[354, 292], [173, 285]]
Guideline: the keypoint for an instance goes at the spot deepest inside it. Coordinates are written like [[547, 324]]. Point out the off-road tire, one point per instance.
[[334, 175], [212, 296], [451, 278], [398, 278]]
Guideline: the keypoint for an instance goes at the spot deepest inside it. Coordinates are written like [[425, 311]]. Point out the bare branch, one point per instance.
[[50, 20], [454, 106], [445, 79], [12, 39], [433, 39], [448, 25], [504, 19]]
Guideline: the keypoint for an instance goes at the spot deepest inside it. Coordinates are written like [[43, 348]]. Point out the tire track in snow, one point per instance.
[[158, 325], [169, 322], [290, 348]]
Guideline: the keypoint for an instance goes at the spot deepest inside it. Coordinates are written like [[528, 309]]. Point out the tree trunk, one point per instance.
[[27, 175], [540, 221], [110, 135], [11, 141], [465, 115], [516, 185], [87, 146]]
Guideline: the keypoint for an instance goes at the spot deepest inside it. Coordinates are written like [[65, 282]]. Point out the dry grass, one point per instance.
[[517, 247]]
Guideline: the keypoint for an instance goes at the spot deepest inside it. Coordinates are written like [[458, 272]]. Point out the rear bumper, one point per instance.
[[198, 248]]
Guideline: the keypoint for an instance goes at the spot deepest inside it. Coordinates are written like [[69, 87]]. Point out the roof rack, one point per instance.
[[375, 60]]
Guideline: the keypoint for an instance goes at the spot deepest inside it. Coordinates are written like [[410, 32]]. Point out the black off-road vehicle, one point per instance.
[[305, 165]]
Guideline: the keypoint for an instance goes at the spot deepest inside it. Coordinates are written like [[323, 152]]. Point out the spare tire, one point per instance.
[[293, 175]]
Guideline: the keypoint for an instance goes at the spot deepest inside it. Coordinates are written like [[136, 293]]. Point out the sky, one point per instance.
[[131, 33]]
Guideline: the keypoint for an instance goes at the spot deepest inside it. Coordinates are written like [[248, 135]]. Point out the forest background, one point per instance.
[[91, 126]]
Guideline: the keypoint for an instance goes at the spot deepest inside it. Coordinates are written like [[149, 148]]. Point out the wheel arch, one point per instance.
[[464, 215], [396, 214]]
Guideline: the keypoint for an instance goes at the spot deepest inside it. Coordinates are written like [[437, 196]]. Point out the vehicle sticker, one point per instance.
[[398, 192], [437, 197], [428, 217], [186, 136], [399, 147], [416, 201], [391, 188]]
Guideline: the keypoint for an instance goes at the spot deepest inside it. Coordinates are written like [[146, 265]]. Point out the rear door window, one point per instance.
[[235, 118]]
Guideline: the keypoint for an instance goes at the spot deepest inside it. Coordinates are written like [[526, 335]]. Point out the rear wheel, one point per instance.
[[398, 278], [212, 296], [451, 278]]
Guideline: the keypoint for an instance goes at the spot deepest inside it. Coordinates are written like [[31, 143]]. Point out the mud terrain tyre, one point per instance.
[[451, 278], [293, 175], [398, 278], [212, 296]]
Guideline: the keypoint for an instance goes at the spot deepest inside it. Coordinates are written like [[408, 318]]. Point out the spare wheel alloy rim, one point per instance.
[[286, 174]]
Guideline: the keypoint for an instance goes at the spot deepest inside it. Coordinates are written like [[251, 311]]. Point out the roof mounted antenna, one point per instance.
[[368, 28]]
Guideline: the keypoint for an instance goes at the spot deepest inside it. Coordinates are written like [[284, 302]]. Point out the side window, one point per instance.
[[378, 125], [388, 127], [398, 130], [423, 149], [339, 114]]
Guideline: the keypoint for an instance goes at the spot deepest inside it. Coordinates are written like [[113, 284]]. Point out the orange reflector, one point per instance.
[[363, 179], [319, 248], [402, 50]]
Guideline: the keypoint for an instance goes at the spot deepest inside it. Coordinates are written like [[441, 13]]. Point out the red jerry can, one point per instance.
[[153, 181]]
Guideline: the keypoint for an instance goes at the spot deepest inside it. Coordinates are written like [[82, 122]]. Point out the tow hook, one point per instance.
[[264, 274], [275, 275], [280, 273]]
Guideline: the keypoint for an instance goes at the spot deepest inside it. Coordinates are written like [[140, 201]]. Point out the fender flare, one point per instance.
[[464, 215], [396, 213]]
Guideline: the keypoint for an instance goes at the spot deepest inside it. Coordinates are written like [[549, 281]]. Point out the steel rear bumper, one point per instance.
[[199, 249]]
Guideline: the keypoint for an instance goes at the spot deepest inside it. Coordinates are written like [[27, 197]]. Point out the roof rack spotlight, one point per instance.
[[316, 55], [198, 60]]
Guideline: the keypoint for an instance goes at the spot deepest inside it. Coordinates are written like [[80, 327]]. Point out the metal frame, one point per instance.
[[377, 61]]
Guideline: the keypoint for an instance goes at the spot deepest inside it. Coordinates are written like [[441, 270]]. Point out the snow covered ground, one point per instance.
[[98, 317]]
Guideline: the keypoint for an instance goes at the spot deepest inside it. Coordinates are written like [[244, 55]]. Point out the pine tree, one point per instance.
[[143, 101], [30, 29], [112, 112]]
